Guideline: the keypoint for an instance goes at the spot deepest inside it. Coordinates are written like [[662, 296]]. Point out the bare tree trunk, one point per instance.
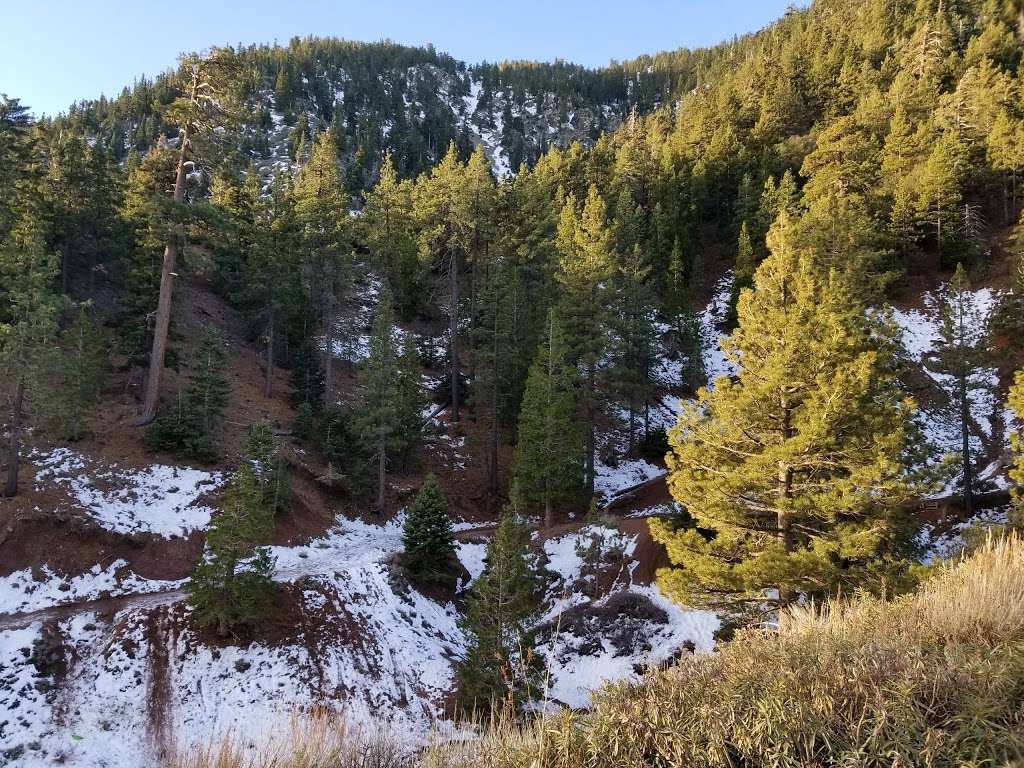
[[591, 440], [167, 275], [14, 452], [965, 435], [492, 464], [381, 467], [549, 514], [329, 317], [453, 283], [785, 490]]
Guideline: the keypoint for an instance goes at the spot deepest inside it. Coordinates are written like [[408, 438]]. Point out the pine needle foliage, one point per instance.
[[500, 671], [233, 584], [187, 425], [427, 536], [793, 477]]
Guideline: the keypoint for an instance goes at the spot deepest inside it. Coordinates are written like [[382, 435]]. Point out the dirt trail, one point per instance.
[[103, 605], [160, 635]]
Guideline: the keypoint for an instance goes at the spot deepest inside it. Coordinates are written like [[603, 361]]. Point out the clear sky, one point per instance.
[[53, 52]]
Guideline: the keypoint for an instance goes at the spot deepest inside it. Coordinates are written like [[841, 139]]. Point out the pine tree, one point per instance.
[[391, 239], [187, 425], [73, 375], [500, 668], [233, 584], [29, 307], [445, 235], [1016, 404], [427, 536], [210, 104], [793, 477], [389, 414], [632, 348], [16, 151], [321, 210], [586, 268], [147, 209], [960, 355], [264, 451], [549, 460]]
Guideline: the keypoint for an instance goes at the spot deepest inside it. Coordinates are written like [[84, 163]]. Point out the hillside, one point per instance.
[[689, 344]]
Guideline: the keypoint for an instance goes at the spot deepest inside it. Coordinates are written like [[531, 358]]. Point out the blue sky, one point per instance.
[[53, 52]]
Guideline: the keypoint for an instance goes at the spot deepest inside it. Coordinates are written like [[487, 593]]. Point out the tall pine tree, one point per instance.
[[792, 478]]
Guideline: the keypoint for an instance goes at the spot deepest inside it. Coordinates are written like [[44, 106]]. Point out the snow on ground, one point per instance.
[[612, 480], [28, 590], [159, 499], [471, 554], [712, 321], [953, 542], [369, 645], [939, 418], [594, 630]]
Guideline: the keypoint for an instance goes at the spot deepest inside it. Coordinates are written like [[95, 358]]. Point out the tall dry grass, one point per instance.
[[318, 740], [931, 679]]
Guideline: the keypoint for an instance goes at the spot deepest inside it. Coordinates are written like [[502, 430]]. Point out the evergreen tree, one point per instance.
[[792, 478], [549, 460], [500, 668], [321, 209], [427, 536], [187, 426], [16, 151], [73, 375], [585, 270], [633, 346], [1016, 404], [391, 239], [959, 357], [264, 451], [389, 414], [233, 584], [29, 307], [147, 210], [211, 103]]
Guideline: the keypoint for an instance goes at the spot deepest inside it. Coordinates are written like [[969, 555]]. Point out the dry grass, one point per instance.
[[320, 740], [931, 679]]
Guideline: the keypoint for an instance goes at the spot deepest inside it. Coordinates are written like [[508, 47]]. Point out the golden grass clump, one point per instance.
[[318, 740]]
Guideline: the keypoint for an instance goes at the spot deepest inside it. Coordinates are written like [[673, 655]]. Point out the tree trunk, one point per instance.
[[453, 282], [549, 514], [785, 491], [492, 464], [14, 451], [381, 467], [329, 336], [268, 385], [965, 435], [591, 441], [163, 307]]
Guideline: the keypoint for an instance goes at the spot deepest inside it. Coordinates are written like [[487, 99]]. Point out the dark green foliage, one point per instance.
[[187, 425], [306, 376], [233, 584], [389, 411], [336, 435], [550, 451], [427, 532], [73, 375], [264, 450], [500, 670]]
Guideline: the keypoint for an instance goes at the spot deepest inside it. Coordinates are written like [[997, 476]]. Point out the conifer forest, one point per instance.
[[365, 407]]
